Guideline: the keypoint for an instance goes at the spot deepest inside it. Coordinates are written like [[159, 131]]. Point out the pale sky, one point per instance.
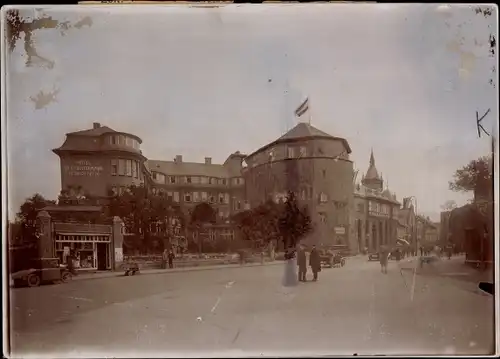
[[404, 79]]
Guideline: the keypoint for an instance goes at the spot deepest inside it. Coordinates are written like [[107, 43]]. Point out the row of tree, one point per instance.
[[151, 221]]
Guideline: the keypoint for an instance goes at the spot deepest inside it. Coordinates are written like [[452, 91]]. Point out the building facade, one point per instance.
[[314, 165], [375, 211], [100, 160]]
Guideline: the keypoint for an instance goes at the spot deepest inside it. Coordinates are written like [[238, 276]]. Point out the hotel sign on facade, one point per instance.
[[83, 168]]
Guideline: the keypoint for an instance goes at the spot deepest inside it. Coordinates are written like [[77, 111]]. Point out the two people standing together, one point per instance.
[[314, 263]]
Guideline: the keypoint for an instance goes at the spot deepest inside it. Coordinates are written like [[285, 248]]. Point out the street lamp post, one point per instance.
[[416, 248]]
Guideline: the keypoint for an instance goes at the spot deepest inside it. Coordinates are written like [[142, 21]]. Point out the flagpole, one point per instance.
[[309, 110]]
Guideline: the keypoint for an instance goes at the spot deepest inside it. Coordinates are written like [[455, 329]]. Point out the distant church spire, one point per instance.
[[372, 178]]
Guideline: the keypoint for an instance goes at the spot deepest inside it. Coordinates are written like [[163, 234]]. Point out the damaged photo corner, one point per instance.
[[235, 180]]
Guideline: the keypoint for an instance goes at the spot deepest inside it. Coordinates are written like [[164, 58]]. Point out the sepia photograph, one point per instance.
[[249, 180]]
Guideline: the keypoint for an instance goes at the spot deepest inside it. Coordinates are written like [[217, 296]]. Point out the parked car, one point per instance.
[[373, 256], [42, 270]]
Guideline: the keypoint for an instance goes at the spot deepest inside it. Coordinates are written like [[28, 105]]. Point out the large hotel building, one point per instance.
[[315, 165]]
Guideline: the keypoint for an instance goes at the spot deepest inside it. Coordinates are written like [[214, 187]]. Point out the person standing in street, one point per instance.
[[315, 262], [302, 264], [384, 259], [171, 257], [164, 258]]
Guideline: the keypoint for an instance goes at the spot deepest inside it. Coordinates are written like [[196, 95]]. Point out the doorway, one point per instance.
[[102, 253]]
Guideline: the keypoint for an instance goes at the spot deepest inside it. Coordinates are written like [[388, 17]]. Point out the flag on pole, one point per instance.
[[302, 109]]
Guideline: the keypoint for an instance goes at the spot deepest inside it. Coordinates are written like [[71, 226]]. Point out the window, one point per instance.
[[113, 140], [322, 217], [127, 141], [114, 167], [221, 197], [121, 167], [203, 196], [195, 179], [128, 168], [224, 182], [135, 169], [226, 198], [188, 179], [196, 196], [204, 180], [323, 197], [170, 196], [212, 180], [172, 179], [370, 206], [211, 199], [290, 152], [303, 151], [187, 197], [271, 155], [176, 196], [238, 205]]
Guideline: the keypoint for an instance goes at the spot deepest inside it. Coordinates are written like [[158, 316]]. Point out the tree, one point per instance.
[[294, 223], [27, 216], [202, 215], [449, 205], [260, 225], [476, 175], [148, 218]]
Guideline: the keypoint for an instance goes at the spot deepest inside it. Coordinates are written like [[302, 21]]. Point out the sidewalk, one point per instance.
[[110, 274], [454, 268]]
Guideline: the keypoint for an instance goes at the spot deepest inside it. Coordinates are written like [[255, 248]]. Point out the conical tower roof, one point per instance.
[[372, 172], [303, 131]]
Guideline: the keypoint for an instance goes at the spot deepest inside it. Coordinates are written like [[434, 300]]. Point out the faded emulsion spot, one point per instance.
[[42, 99], [16, 25]]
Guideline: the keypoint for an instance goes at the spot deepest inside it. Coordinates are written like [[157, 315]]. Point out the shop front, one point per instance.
[[91, 251]]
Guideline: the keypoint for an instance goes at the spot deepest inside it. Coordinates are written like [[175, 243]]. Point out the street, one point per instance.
[[246, 311]]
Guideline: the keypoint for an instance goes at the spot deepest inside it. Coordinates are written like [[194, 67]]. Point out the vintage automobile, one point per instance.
[[42, 270], [331, 259]]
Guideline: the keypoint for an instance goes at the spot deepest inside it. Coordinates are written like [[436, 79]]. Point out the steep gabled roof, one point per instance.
[[171, 168]]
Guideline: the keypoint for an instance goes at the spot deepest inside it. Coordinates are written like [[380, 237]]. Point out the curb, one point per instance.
[[177, 270]]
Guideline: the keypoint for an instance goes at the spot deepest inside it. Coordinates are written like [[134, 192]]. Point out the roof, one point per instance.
[[372, 172], [93, 131], [172, 168], [303, 131]]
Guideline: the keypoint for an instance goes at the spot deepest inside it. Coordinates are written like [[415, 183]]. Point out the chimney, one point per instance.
[[96, 125], [178, 159], [208, 160]]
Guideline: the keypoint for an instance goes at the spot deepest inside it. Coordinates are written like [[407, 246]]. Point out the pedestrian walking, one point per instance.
[[315, 262], [171, 257], [164, 259], [384, 259], [302, 264]]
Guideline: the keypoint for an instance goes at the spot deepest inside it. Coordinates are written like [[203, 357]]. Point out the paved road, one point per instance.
[[239, 311]]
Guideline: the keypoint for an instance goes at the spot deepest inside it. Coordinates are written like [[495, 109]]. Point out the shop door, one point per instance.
[[101, 256]]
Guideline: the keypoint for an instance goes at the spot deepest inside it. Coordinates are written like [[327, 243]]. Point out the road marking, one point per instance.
[[215, 305], [78, 298]]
